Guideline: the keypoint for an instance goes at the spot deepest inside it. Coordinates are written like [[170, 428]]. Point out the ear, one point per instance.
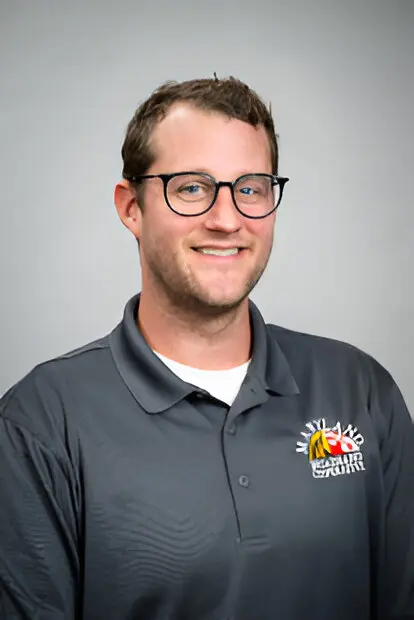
[[127, 206]]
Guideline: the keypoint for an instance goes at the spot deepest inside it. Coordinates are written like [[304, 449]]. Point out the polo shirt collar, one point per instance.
[[269, 365], [157, 388]]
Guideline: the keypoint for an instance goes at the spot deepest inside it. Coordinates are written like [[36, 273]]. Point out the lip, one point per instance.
[[218, 247]]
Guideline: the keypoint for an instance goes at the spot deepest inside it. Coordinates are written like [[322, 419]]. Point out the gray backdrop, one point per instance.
[[341, 81]]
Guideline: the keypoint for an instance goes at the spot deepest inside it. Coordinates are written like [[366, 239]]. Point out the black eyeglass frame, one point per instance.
[[275, 179]]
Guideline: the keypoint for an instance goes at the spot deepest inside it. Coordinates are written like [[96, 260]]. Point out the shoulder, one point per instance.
[[37, 402], [342, 374], [333, 359]]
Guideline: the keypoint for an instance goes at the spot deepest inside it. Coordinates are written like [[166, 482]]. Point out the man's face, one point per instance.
[[189, 139]]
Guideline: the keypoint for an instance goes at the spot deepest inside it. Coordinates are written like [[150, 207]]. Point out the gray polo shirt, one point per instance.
[[128, 494]]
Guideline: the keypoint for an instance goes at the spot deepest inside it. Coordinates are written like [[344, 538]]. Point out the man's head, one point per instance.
[[216, 127]]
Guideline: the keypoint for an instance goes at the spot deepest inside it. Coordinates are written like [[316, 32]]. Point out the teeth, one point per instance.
[[215, 252]]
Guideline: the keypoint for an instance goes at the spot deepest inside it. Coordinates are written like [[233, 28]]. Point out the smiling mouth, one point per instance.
[[218, 252]]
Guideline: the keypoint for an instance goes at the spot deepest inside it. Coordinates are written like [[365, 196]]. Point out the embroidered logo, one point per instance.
[[332, 451]]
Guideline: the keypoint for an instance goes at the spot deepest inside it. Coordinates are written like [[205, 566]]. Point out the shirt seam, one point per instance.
[[72, 354], [35, 437]]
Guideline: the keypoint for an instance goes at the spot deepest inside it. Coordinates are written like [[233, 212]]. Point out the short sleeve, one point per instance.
[[39, 567], [398, 475]]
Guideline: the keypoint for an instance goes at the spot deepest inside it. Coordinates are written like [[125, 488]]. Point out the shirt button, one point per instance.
[[231, 429], [244, 481]]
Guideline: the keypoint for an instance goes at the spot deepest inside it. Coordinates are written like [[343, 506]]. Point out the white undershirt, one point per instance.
[[222, 384]]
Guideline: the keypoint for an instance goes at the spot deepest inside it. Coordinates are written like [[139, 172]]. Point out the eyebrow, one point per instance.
[[206, 171]]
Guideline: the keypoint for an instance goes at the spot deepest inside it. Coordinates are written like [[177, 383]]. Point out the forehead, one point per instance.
[[192, 139]]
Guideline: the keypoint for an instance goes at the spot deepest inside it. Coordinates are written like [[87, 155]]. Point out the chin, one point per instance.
[[222, 302]]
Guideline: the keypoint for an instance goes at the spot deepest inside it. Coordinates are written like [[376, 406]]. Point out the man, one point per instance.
[[197, 464]]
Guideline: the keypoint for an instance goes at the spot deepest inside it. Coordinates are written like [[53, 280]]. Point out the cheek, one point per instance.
[[164, 230], [262, 231]]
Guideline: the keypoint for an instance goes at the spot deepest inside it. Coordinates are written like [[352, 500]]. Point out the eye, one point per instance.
[[247, 191], [253, 187], [250, 190], [191, 188]]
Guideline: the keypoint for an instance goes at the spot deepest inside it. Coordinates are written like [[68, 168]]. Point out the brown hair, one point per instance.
[[227, 96]]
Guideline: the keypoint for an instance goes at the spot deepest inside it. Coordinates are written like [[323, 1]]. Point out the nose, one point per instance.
[[223, 215]]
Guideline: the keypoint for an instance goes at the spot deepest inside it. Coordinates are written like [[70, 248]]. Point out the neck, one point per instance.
[[207, 342]]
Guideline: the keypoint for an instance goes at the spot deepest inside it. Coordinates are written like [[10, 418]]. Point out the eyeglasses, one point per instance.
[[193, 193]]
